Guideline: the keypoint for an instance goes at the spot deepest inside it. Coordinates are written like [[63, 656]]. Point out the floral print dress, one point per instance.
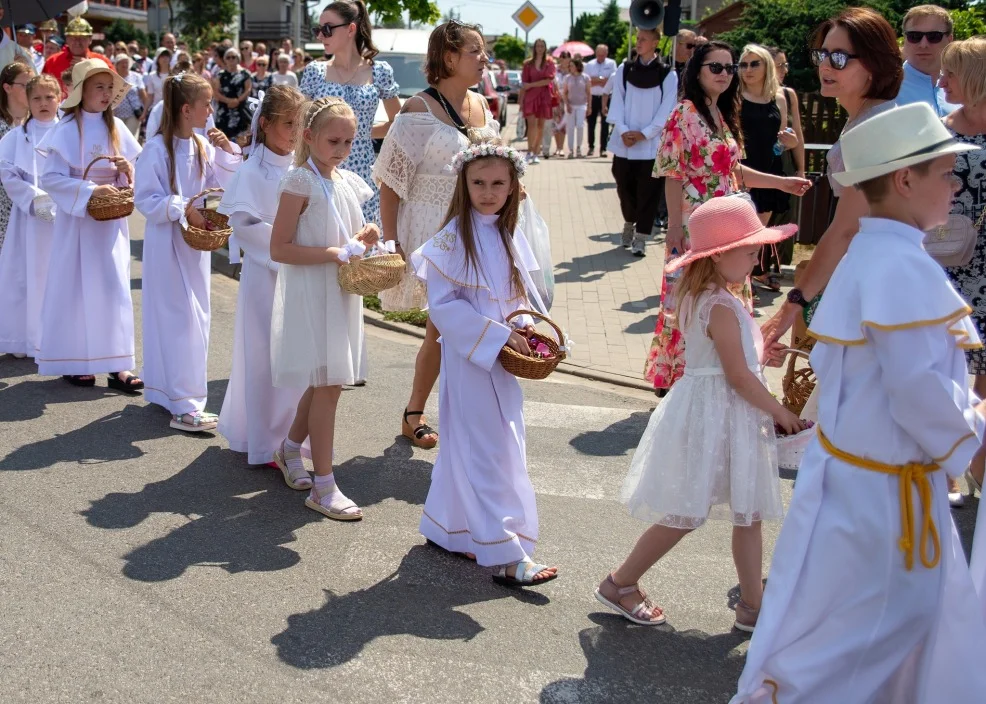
[[5, 202], [703, 161]]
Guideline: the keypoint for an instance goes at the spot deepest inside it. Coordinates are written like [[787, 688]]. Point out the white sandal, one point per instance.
[[337, 513], [197, 422], [298, 479], [523, 578]]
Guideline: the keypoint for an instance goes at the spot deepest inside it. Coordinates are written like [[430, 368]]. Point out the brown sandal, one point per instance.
[[419, 435], [640, 614]]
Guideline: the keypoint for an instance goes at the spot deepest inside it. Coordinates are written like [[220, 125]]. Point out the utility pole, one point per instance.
[[571, 18]]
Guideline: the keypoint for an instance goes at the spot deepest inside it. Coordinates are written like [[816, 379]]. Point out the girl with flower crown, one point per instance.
[[478, 271]]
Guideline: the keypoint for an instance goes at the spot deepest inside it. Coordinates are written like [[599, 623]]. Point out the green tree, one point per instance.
[[969, 23], [511, 50], [197, 17], [420, 11], [121, 31], [582, 27], [608, 28]]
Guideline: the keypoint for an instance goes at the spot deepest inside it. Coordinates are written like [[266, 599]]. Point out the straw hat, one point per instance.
[[900, 137], [725, 223], [90, 67], [78, 27]]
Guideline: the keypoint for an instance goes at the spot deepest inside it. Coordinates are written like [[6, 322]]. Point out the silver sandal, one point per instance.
[[531, 570]]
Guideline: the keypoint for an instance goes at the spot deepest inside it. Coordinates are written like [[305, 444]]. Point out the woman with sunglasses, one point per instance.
[[416, 186], [927, 31], [699, 158], [859, 64], [355, 76]]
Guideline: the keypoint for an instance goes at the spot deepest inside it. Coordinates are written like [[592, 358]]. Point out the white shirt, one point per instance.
[[595, 69], [154, 85], [287, 79], [154, 122], [639, 110], [9, 49]]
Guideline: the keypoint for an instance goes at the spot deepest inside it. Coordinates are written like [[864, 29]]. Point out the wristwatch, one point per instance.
[[795, 296]]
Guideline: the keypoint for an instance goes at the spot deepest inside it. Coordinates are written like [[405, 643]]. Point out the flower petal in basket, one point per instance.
[[534, 367]]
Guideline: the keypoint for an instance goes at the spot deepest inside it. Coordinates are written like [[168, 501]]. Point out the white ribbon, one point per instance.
[[257, 103], [353, 248]]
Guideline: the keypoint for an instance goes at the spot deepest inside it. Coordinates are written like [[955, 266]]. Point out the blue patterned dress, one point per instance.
[[363, 99]]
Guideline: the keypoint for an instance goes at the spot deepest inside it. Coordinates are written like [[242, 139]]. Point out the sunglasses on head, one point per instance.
[[717, 68], [933, 37], [756, 63], [837, 59], [326, 29]]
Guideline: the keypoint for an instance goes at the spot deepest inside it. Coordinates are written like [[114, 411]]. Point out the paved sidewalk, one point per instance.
[[605, 298]]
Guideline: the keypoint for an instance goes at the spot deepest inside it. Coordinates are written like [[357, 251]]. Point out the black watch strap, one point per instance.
[[795, 296]]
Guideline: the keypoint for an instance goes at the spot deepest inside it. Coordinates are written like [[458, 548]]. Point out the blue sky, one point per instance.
[[495, 16]]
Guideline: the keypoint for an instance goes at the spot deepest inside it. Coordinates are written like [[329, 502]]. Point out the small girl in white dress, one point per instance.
[[317, 328], [477, 268], [27, 247], [708, 450]]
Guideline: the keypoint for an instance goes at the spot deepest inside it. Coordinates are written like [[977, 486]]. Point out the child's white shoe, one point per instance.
[[333, 503]]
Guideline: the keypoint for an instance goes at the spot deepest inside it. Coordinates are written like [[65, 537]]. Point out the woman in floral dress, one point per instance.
[[700, 158], [232, 87], [353, 75]]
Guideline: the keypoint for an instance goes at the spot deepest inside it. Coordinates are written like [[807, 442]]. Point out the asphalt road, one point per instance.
[[138, 564]]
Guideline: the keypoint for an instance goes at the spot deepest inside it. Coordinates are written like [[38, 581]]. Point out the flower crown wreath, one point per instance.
[[476, 151]]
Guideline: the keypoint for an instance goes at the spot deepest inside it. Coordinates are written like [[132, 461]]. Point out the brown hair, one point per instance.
[[547, 54], [928, 11], [7, 77], [875, 43], [180, 91], [279, 102], [317, 115], [967, 60], [577, 63], [354, 12], [36, 83], [447, 37], [876, 189], [461, 207]]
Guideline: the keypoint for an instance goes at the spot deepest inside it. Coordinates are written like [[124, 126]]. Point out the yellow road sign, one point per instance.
[[527, 16]]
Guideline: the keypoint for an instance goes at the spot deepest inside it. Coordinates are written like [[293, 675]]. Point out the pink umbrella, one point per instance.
[[575, 49]]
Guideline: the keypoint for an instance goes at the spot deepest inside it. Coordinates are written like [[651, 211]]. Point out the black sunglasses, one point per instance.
[[837, 59], [326, 29], [718, 68], [933, 37], [752, 64]]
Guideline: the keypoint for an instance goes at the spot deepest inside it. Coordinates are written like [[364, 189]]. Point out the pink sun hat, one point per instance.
[[725, 223]]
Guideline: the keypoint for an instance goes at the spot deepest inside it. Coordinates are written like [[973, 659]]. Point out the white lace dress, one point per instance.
[[412, 163], [316, 327], [706, 452]]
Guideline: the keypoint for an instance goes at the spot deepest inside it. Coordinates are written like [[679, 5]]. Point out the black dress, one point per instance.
[[233, 121], [761, 122]]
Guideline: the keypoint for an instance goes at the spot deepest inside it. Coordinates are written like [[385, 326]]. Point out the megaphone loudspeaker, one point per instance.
[[648, 14]]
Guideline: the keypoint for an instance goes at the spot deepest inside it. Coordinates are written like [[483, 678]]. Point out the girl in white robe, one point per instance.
[[175, 166], [481, 502], [27, 247], [256, 415], [87, 319], [317, 336]]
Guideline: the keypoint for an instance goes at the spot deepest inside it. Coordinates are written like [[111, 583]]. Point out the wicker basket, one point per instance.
[[799, 378], [208, 240], [112, 207], [533, 367], [371, 275]]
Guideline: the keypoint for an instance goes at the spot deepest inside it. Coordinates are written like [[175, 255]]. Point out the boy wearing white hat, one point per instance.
[[869, 597]]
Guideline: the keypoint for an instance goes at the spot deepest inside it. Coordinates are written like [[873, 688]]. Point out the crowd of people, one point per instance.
[[897, 333]]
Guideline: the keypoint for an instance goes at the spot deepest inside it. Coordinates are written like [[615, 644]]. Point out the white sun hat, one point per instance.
[[901, 137], [90, 67]]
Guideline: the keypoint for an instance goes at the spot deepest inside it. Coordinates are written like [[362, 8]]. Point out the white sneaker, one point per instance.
[[637, 248], [626, 239], [535, 160]]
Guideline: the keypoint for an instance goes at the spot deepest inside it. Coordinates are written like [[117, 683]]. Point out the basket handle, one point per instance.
[[85, 174], [558, 333], [800, 353], [206, 192]]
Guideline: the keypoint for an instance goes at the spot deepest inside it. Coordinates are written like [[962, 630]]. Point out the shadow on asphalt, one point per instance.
[[619, 439], [601, 186], [628, 663], [240, 519], [420, 599], [394, 475], [592, 267]]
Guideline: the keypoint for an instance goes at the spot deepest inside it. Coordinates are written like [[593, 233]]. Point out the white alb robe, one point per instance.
[[87, 319], [481, 499], [27, 246], [176, 278], [843, 620], [256, 415]]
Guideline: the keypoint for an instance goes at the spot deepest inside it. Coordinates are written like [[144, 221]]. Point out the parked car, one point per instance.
[[405, 50], [497, 100], [514, 94]]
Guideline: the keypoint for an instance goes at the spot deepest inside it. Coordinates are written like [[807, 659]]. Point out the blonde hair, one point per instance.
[[696, 278], [44, 80], [317, 116], [770, 83], [180, 90], [967, 60], [920, 11], [279, 102]]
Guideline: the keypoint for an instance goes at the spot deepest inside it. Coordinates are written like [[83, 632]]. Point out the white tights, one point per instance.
[[575, 126]]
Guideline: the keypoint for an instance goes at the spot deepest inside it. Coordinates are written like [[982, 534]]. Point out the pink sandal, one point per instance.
[[641, 614]]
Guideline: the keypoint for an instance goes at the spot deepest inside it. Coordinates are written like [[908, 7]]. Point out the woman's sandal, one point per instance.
[[464, 555], [85, 380], [131, 385], [641, 614], [297, 480], [197, 422], [746, 617], [419, 436], [768, 281], [527, 577]]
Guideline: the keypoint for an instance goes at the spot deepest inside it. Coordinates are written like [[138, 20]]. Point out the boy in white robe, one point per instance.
[[869, 597]]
